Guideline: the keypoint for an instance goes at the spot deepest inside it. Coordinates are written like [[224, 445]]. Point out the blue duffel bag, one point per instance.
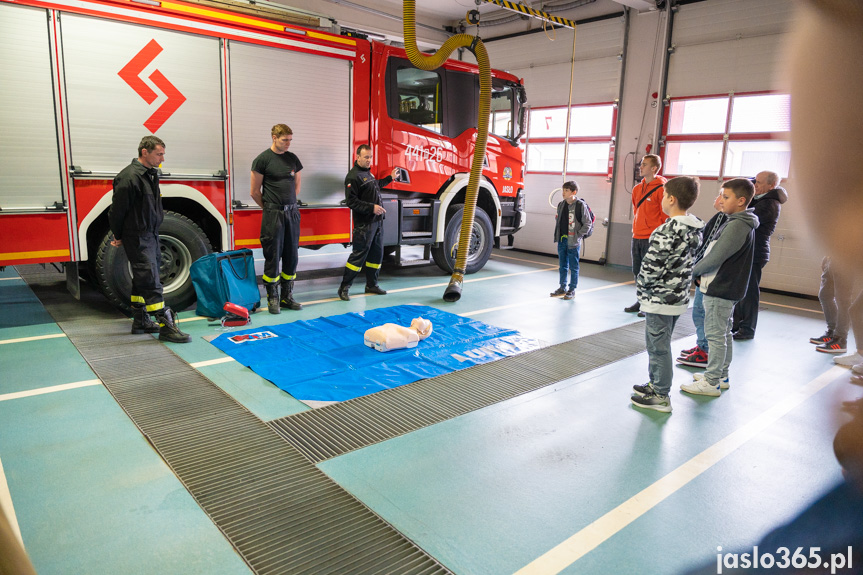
[[225, 277]]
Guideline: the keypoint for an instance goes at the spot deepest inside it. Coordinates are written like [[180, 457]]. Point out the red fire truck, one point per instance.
[[83, 80]]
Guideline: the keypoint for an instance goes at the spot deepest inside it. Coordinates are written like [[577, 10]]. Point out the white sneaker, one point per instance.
[[701, 387], [723, 383], [857, 369], [849, 359]]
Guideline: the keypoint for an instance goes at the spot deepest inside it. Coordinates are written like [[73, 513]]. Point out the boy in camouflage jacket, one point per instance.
[[663, 288]]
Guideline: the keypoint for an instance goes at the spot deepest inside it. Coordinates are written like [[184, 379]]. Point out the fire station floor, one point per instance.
[[493, 491]]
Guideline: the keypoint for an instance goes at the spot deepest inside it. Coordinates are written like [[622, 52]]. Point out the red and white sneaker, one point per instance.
[[698, 358], [690, 351]]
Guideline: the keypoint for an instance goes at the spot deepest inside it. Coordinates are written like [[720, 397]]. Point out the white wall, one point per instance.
[[741, 43], [718, 47], [545, 63]]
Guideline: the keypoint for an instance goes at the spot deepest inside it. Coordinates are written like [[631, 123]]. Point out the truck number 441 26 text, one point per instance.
[[421, 153]]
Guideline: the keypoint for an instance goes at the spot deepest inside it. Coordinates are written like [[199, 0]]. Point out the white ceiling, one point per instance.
[[455, 10], [385, 16]]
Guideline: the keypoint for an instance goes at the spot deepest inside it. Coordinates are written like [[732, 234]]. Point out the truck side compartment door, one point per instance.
[[311, 93], [31, 189]]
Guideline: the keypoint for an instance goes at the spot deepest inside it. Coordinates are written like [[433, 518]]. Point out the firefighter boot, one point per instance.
[[141, 320], [287, 300], [344, 290], [168, 330], [273, 297]]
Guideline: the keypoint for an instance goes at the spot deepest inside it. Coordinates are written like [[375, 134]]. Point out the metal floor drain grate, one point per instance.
[[281, 513], [339, 428]]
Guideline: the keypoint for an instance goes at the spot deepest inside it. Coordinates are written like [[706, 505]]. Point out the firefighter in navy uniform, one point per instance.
[[135, 217], [363, 196], [275, 187]]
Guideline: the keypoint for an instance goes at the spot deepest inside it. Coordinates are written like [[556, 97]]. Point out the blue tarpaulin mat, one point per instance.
[[325, 359]]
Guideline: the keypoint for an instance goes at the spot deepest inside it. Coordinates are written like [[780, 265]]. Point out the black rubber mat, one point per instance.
[[281, 513], [336, 429]]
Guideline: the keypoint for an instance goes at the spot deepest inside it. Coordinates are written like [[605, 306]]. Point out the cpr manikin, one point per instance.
[[390, 336]]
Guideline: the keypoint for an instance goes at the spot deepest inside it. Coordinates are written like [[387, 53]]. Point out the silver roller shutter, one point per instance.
[[108, 116], [309, 93], [29, 157]]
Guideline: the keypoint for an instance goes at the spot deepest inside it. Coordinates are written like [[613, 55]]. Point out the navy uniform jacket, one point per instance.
[[136, 207], [362, 192]]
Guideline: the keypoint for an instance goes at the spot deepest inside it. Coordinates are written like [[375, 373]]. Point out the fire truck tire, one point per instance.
[[481, 243], [182, 242]]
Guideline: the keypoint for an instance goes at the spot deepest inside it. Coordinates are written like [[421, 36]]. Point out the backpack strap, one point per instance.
[[648, 194]]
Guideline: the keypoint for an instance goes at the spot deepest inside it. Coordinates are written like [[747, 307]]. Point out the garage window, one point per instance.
[[730, 136], [591, 130]]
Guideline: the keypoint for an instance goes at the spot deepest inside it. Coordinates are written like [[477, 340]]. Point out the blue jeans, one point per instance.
[[698, 319], [660, 366], [717, 328], [568, 258]]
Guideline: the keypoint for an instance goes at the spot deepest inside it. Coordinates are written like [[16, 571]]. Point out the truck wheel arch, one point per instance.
[[454, 193], [169, 191]]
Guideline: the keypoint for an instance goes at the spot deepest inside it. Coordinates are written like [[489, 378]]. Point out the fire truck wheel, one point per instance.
[[182, 242], [481, 241]]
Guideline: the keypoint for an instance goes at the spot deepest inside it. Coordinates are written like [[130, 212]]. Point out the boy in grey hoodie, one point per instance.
[[662, 286], [722, 276]]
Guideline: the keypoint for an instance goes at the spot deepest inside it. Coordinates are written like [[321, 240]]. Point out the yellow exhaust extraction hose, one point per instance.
[[431, 62]]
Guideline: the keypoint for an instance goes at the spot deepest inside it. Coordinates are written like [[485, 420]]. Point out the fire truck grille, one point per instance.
[[281, 513], [339, 428]]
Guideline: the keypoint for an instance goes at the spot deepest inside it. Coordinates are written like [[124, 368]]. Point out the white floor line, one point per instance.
[[535, 301], [8, 279], [200, 364], [193, 318], [34, 338], [6, 505], [496, 256], [815, 311], [589, 538], [52, 389]]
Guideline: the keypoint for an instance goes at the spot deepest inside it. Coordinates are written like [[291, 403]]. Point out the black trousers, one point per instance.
[[144, 258], [280, 241], [367, 250], [639, 250], [746, 311]]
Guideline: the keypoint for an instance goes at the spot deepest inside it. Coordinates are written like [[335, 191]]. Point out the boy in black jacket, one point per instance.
[[722, 276], [697, 356]]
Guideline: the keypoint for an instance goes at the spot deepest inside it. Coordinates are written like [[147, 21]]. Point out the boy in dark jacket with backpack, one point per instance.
[[574, 221]]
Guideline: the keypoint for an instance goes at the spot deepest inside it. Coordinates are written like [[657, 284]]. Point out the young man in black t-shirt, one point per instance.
[[275, 187]]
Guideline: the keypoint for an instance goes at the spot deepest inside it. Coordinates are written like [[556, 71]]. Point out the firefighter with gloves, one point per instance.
[[275, 187], [135, 217], [363, 197]]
